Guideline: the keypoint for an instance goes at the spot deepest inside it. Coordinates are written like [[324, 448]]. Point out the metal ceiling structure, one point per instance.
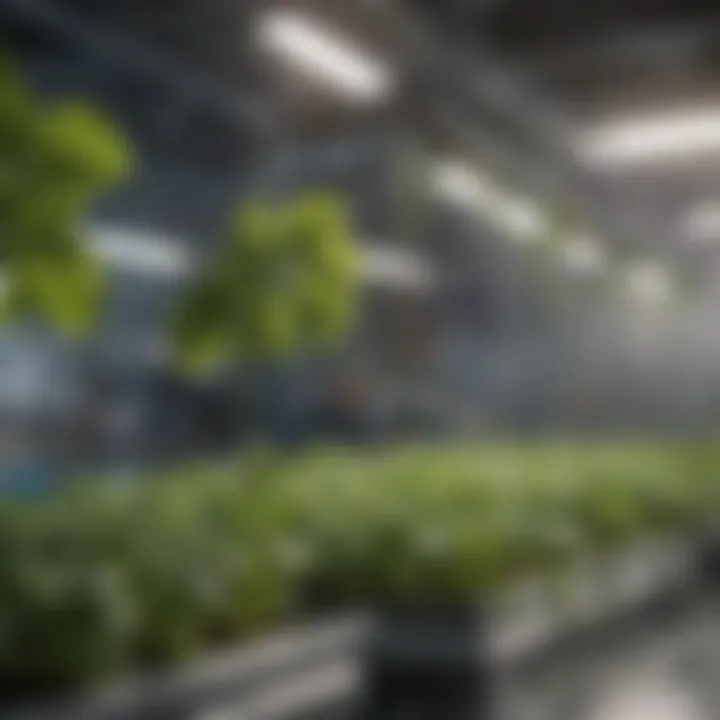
[[509, 86], [512, 82], [590, 62]]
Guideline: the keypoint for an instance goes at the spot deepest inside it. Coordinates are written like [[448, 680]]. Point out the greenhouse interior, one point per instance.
[[359, 360]]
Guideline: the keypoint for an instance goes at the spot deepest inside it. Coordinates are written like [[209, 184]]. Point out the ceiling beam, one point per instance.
[[123, 51], [484, 86], [673, 46]]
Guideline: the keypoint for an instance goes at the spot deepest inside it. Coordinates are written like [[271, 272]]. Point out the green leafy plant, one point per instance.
[[109, 576], [284, 279], [54, 163]]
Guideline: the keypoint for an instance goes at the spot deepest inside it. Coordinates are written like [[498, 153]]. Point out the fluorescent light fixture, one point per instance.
[[523, 218], [702, 223], [650, 283], [395, 268], [582, 256], [156, 257], [643, 699], [318, 51], [457, 183], [139, 252], [660, 137]]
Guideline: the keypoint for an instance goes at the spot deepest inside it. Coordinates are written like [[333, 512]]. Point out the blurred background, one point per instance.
[[531, 195], [584, 299], [372, 223]]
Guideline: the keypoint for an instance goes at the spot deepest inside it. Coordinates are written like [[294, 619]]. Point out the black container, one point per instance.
[[428, 663], [709, 559]]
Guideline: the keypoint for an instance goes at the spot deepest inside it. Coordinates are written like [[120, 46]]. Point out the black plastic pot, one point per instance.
[[428, 663], [708, 552]]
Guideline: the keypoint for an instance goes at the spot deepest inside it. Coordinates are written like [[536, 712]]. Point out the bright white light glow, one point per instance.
[[703, 222], [650, 283], [661, 137], [647, 699], [456, 182], [146, 254], [459, 184], [323, 54], [523, 218], [582, 256], [139, 252], [395, 267]]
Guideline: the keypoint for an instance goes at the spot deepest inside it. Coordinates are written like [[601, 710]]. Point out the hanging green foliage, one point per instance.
[[54, 164], [283, 279]]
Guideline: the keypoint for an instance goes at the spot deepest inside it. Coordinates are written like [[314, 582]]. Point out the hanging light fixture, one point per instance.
[[456, 182], [523, 218], [582, 256], [131, 250], [310, 46], [661, 137]]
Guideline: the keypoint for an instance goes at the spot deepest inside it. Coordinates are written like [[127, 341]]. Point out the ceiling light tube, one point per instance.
[[582, 256], [523, 218], [323, 54], [661, 137], [385, 265], [456, 182], [140, 253]]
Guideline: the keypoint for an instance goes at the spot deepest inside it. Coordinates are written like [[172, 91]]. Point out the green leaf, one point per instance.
[[66, 293], [79, 143], [54, 164], [285, 278]]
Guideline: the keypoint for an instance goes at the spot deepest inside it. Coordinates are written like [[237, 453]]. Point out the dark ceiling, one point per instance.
[[531, 25]]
